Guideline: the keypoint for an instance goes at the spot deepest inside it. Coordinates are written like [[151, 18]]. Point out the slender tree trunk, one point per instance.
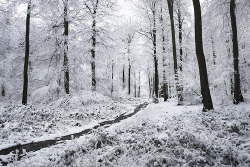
[[112, 76], [135, 83], [123, 78], [149, 86], [237, 90], [93, 50], [214, 55], [180, 36], [66, 59], [129, 72], [156, 84], [3, 90], [26, 61], [180, 94], [153, 85], [139, 86], [170, 9], [164, 89], [207, 101]]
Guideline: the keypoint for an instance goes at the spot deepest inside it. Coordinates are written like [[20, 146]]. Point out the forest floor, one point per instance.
[[162, 134]]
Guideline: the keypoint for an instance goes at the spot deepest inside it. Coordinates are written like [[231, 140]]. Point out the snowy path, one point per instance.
[[22, 149], [162, 134]]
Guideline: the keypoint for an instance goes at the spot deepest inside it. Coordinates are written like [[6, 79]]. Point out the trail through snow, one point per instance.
[[162, 134]]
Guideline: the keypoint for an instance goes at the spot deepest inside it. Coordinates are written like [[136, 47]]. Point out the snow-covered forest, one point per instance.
[[125, 83]]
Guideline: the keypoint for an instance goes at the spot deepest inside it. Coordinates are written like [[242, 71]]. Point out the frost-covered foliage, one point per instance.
[[23, 124], [159, 136]]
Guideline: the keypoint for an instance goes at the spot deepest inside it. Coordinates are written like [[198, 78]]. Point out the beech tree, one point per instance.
[[171, 15], [205, 91], [237, 90], [164, 88], [27, 52], [65, 50], [93, 11]]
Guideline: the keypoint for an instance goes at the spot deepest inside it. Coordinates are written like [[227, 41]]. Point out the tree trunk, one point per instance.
[[135, 83], [112, 76], [164, 88], [93, 50], [180, 94], [180, 36], [171, 15], [129, 72], [149, 86], [26, 61], [207, 101], [123, 78], [156, 83], [66, 60], [3, 90], [214, 55], [237, 90], [139, 86]]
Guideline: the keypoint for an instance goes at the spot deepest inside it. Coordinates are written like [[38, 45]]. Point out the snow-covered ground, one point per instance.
[[24, 124], [162, 134]]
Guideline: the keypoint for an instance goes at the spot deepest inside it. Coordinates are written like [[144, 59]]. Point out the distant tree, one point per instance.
[[129, 36], [139, 85], [206, 97], [93, 11], [150, 10], [26, 60], [237, 90]]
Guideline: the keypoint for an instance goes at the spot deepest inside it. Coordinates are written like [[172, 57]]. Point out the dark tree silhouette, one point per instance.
[[205, 91], [66, 60], [27, 52], [237, 91], [156, 81]]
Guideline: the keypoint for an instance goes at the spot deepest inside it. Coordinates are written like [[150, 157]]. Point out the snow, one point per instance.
[[162, 134], [25, 124]]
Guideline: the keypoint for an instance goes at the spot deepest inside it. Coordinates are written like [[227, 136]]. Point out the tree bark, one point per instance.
[[180, 36], [180, 89], [171, 15], [139, 86], [129, 72], [205, 91], [3, 90], [66, 60], [26, 61], [93, 50], [135, 84], [156, 84], [112, 76], [237, 90], [164, 88], [123, 78], [214, 55]]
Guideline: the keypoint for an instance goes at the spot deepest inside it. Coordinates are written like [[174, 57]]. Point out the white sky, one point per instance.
[[127, 8]]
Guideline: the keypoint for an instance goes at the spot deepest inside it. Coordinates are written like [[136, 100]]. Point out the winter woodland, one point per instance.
[[125, 83]]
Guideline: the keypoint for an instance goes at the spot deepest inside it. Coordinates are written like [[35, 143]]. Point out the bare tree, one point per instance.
[[151, 12], [27, 52], [164, 86], [93, 11], [66, 59], [205, 91], [237, 91], [178, 88]]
